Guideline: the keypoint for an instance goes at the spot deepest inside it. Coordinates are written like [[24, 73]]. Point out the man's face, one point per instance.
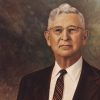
[[66, 36]]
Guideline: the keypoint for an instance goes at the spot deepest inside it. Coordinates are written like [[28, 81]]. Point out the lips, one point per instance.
[[65, 46]]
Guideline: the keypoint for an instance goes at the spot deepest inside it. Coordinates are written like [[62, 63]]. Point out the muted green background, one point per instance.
[[23, 48]]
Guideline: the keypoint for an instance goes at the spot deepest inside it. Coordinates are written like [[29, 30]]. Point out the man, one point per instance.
[[66, 35]]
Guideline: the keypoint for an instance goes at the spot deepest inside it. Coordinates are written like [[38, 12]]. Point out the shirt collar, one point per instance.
[[56, 70], [73, 71]]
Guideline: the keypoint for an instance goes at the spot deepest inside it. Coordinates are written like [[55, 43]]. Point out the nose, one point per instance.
[[65, 35]]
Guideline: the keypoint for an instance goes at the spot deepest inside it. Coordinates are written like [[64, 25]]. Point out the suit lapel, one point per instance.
[[86, 86], [46, 85], [42, 91], [81, 85]]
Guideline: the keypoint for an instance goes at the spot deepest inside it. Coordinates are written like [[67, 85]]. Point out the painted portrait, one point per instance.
[[23, 47]]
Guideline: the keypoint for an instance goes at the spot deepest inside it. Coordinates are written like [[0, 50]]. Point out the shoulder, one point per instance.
[[92, 72], [37, 75], [91, 69]]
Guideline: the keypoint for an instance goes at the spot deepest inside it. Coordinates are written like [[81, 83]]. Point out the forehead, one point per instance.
[[67, 20]]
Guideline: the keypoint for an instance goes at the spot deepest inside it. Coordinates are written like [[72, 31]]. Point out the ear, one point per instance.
[[47, 37], [85, 36]]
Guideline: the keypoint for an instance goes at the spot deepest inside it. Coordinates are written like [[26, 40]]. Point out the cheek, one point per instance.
[[53, 40], [78, 40]]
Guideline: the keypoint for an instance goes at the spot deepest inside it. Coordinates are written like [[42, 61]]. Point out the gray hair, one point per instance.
[[64, 8]]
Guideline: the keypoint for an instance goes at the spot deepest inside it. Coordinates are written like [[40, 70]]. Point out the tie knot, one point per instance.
[[63, 72]]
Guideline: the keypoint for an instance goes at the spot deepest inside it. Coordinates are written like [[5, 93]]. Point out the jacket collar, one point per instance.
[[87, 83], [85, 89]]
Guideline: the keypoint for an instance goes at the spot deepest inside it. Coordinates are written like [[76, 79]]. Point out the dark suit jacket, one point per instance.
[[35, 86]]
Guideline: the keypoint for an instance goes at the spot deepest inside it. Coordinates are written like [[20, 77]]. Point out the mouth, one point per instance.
[[65, 46]]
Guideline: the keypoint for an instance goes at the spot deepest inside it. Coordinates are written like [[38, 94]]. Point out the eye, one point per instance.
[[58, 30], [72, 30]]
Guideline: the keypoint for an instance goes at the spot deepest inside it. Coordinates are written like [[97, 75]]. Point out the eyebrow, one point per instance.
[[66, 27]]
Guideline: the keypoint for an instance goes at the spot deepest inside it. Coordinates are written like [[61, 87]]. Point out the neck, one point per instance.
[[65, 62]]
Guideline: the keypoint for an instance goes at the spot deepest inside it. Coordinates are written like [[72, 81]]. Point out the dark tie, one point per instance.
[[58, 93]]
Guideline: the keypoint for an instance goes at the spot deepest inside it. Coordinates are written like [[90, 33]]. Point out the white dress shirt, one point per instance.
[[70, 79]]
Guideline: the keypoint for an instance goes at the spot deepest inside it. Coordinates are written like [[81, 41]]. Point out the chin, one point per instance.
[[65, 54], [68, 54]]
